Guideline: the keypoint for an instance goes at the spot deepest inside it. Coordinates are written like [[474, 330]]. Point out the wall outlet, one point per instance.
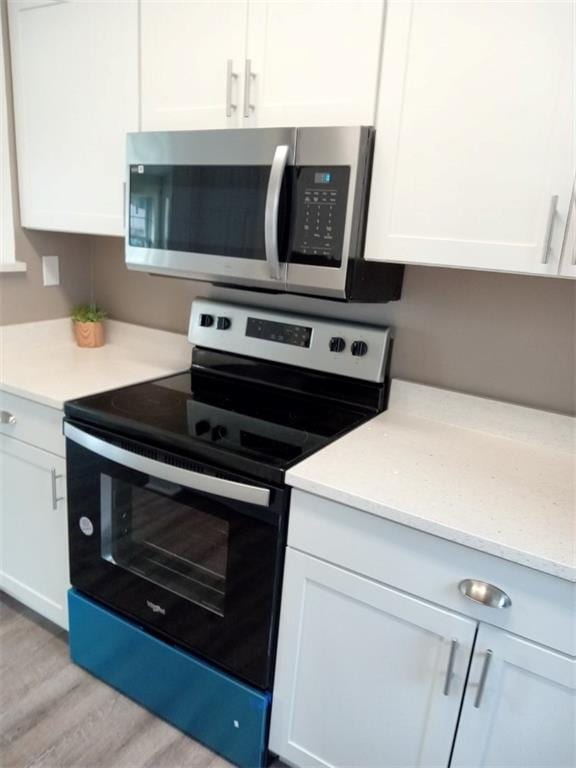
[[51, 270]]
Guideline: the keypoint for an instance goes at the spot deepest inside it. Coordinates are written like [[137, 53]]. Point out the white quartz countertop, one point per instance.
[[40, 361], [493, 476]]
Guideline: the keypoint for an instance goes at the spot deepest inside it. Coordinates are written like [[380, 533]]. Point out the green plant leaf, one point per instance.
[[87, 313]]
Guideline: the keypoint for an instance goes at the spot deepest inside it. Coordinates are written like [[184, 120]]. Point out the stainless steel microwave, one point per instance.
[[277, 209]]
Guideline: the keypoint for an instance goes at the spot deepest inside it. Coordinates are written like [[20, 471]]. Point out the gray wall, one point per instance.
[[505, 336], [23, 298]]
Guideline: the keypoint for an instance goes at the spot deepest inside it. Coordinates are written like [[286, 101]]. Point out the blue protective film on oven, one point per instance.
[[226, 715]]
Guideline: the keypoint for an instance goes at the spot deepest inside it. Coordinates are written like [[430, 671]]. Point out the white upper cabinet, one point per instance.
[[192, 63], [248, 63], [474, 160], [313, 62], [520, 706], [75, 76], [568, 258]]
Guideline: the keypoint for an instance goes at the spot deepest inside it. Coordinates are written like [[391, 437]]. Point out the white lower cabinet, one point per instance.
[[520, 706], [33, 528], [370, 674], [367, 676]]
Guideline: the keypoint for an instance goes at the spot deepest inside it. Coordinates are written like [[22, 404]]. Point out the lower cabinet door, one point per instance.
[[33, 528], [520, 706], [366, 676]]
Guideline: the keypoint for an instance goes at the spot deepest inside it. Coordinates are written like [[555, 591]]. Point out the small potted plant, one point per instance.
[[88, 328]]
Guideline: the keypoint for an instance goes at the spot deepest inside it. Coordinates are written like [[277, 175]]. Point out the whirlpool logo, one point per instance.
[[155, 608]]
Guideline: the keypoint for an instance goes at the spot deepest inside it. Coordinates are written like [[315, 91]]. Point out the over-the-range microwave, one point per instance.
[[277, 209]]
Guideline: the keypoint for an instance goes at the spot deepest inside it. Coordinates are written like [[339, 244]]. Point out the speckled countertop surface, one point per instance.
[[40, 361], [493, 476]]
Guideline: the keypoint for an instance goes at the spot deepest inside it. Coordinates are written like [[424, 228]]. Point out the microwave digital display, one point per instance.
[[322, 177], [283, 333]]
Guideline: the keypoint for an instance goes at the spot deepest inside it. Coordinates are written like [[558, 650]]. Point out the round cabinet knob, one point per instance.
[[337, 344], [7, 418], [206, 321], [484, 593], [223, 323], [359, 348]]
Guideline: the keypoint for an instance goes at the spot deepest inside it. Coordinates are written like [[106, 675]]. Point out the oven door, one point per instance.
[[193, 554], [210, 205]]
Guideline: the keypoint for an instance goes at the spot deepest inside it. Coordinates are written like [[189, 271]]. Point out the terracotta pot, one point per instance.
[[89, 334]]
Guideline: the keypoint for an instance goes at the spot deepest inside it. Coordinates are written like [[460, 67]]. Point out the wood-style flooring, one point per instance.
[[52, 713]]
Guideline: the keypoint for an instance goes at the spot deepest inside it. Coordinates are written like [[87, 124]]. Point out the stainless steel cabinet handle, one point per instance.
[[271, 211], [231, 76], [482, 683], [450, 667], [7, 418], [484, 593], [248, 77], [549, 226], [55, 498], [219, 486]]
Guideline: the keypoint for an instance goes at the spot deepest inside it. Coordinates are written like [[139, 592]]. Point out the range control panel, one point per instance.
[[347, 349], [321, 204]]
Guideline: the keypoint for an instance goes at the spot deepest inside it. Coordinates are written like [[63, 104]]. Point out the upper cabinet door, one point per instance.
[[519, 707], [313, 62], [474, 158], [192, 63], [75, 76], [568, 258]]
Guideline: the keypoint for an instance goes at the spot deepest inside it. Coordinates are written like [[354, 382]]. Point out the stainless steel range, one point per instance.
[[177, 503]]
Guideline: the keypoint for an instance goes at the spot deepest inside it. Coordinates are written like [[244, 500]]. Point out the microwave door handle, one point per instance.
[[271, 211], [218, 486]]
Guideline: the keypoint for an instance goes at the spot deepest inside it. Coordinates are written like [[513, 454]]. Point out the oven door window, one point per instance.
[[147, 531]]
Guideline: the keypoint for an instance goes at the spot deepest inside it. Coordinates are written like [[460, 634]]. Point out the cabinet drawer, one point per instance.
[[432, 568], [33, 423]]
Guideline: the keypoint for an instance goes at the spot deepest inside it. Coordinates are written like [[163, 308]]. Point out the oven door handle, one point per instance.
[[271, 211], [218, 486]]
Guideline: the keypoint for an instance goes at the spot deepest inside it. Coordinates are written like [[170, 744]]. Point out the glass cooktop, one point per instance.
[[255, 428]]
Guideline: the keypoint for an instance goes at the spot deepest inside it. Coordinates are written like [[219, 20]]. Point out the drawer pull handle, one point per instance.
[[7, 418], [450, 667], [484, 593]]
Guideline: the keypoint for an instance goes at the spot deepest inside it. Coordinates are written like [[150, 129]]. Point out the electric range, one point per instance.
[[178, 509]]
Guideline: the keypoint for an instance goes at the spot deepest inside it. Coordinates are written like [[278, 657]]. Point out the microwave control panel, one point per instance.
[[321, 204]]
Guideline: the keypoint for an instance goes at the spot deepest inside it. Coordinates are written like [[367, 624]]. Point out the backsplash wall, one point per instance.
[[509, 337]]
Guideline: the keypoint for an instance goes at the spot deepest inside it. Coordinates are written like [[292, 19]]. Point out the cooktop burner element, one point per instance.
[[265, 390]]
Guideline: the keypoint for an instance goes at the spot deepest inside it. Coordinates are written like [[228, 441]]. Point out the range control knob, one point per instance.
[[206, 321], [223, 323], [218, 432], [359, 348], [337, 344], [202, 427]]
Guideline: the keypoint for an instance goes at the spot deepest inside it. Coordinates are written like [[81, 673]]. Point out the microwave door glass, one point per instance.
[[211, 209]]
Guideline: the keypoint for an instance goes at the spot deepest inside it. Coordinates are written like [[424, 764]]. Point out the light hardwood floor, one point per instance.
[[52, 713]]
